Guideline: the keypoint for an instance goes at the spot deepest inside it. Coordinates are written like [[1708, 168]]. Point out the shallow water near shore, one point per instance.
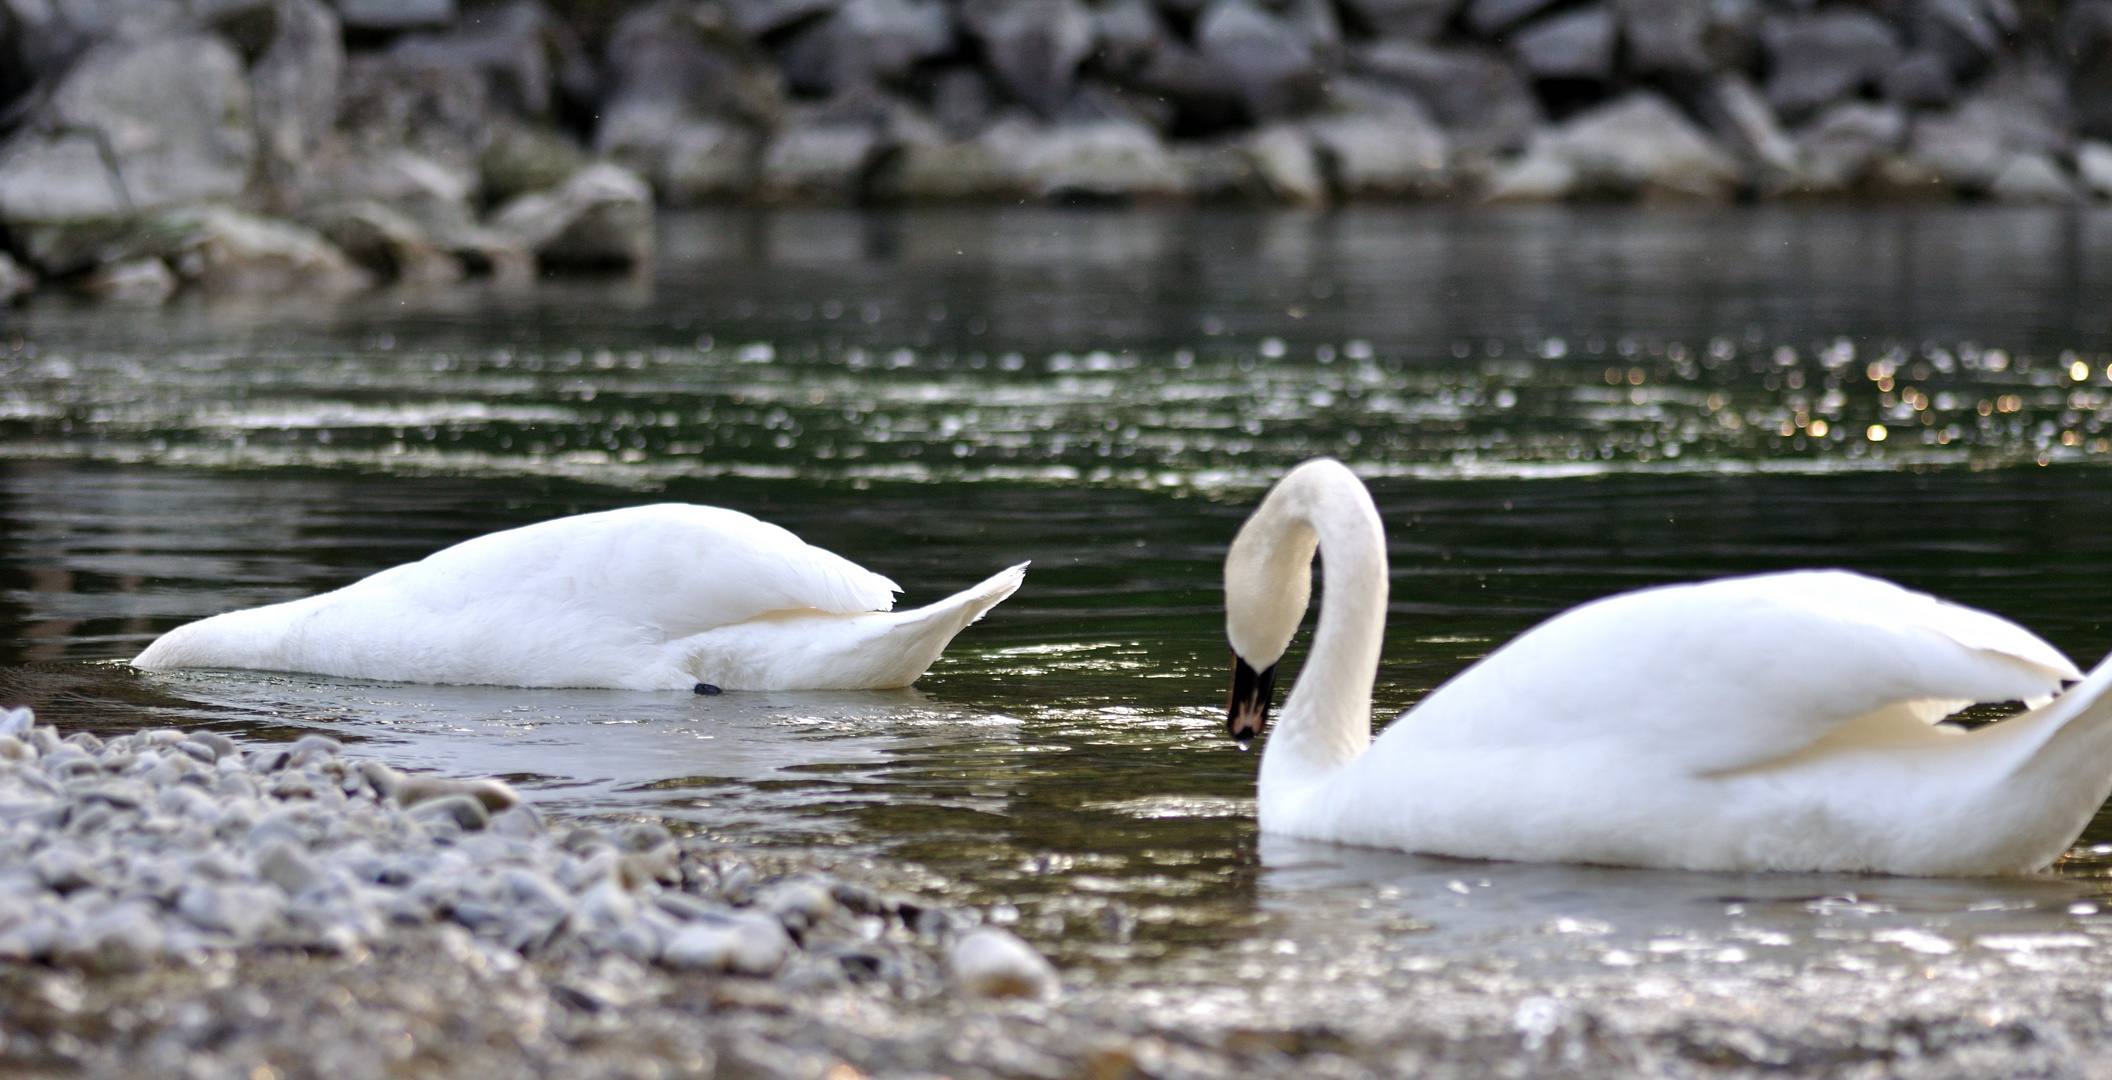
[[1551, 407]]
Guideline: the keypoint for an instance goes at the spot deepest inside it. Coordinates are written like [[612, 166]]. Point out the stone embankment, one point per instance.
[[168, 852], [258, 146]]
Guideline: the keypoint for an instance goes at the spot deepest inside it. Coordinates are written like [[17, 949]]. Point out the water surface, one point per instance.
[[1551, 406]]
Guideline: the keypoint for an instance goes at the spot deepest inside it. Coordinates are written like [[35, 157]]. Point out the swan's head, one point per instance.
[[1268, 583]]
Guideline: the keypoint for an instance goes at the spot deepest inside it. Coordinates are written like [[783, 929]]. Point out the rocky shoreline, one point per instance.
[[275, 146]]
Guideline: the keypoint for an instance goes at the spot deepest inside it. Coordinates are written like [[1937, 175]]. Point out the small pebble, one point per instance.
[[736, 945], [990, 963]]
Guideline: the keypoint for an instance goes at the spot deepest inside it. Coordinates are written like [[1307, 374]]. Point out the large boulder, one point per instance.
[[134, 127], [2093, 165], [1635, 146], [1287, 164], [1968, 147], [385, 15], [522, 156], [223, 251], [761, 18], [1665, 36], [173, 115], [1742, 118], [930, 164], [294, 85], [688, 158], [385, 241], [1963, 35], [1033, 47], [866, 43], [1386, 147], [1104, 159], [1846, 145], [2086, 38], [45, 38], [1410, 20], [2033, 178], [436, 195], [1816, 60], [1481, 101], [1276, 61], [440, 111], [1492, 17], [1575, 44], [688, 55], [601, 219], [525, 54], [828, 162]]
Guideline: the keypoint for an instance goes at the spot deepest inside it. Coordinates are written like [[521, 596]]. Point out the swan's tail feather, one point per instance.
[[918, 637], [2082, 712]]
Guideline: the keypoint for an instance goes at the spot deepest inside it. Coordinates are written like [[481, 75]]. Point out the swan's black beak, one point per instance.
[[1249, 711]]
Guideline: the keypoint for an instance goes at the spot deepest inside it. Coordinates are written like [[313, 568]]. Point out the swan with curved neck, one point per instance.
[[664, 597], [1787, 721]]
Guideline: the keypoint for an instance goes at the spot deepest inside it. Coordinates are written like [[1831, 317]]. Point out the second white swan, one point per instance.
[[665, 597], [1784, 721]]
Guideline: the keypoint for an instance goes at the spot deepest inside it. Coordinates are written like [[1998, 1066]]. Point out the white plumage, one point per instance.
[[1778, 722], [646, 598]]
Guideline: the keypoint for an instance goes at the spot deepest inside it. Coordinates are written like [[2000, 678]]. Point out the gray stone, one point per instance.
[[688, 161], [1129, 33], [1963, 34], [601, 218], [523, 53], [389, 244], [224, 251], [2086, 41], [17, 721], [1110, 158], [439, 111], [524, 157], [1286, 162], [2033, 178], [1572, 45], [1842, 147], [294, 86], [1408, 20], [2093, 163], [1481, 101], [756, 18], [819, 163], [1491, 17], [1033, 47], [991, 963], [1743, 118], [1921, 79], [395, 14], [1819, 59], [164, 121], [1639, 145], [1272, 61], [866, 43], [1665, 36], [739, 944], [145, 282], [492, 794], [243, 912], [1387, 148], [683, 55], [464, 811]]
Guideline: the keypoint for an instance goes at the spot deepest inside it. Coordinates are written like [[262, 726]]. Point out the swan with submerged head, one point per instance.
[[666, 597], [1786, 721]]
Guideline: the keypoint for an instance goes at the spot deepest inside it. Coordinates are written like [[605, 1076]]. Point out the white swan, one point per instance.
[[662, 597], [1778, 722]]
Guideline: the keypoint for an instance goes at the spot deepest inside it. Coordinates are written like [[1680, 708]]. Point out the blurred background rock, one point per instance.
[[257, 146]]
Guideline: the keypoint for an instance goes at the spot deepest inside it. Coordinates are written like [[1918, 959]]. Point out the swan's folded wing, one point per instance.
[[1731, 673], [679, 568]]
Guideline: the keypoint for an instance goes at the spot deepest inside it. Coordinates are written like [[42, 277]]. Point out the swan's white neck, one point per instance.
[[1326, 721]]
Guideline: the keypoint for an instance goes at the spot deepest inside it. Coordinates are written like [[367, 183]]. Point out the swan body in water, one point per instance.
[[665, 597], [1786, 721]]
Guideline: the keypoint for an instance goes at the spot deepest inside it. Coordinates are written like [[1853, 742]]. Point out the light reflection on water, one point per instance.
[[1065, 759]]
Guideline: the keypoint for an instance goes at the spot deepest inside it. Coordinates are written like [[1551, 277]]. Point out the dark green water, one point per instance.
[[1551, 406]]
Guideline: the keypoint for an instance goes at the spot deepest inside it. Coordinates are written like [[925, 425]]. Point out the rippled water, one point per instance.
[[1551, 406]]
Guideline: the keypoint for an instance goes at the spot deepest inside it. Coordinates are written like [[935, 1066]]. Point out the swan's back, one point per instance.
[[1727, 674], [577, 601]]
